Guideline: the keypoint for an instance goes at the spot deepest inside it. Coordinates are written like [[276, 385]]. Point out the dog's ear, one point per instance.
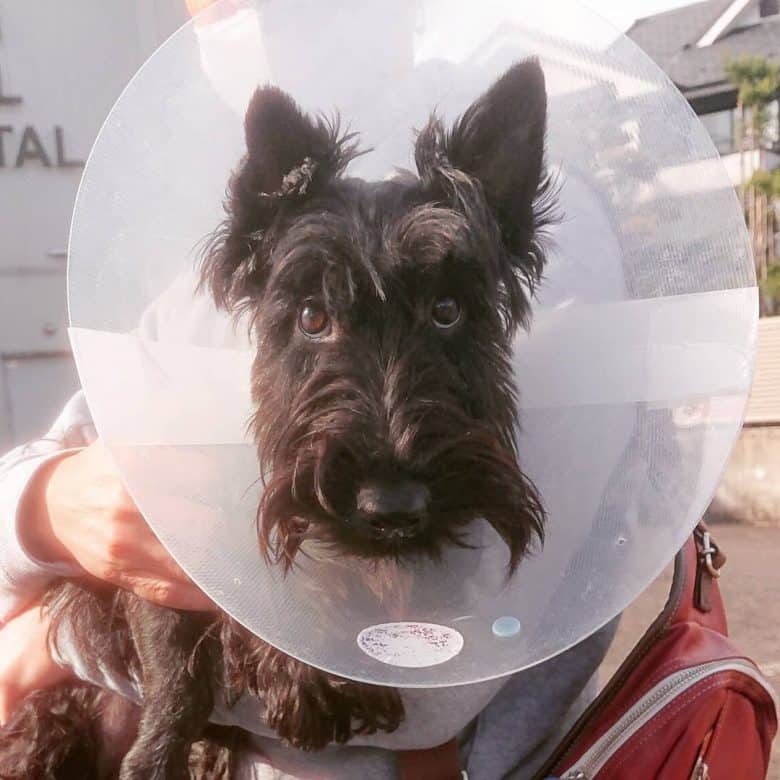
[[290, 157], [499, 142], [283, 143]]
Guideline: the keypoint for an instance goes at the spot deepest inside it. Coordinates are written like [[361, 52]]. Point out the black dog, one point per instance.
[[384, 314]]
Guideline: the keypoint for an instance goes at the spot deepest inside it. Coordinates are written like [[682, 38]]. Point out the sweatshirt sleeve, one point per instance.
[[174, 316], [22, 576]]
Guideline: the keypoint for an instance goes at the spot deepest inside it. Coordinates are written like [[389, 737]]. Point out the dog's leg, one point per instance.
[[177, 696]]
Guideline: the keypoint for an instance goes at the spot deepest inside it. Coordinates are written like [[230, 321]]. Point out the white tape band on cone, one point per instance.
[[672, 350], [650, 350], [141, 391]]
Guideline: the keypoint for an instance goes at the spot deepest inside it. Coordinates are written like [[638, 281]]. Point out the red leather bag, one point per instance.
[[685, 705]]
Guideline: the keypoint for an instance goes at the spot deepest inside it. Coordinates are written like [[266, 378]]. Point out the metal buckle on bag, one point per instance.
[[709, 564], [710, 549]]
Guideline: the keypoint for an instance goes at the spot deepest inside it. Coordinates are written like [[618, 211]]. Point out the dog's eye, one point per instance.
[[445, 312], [313, 319]]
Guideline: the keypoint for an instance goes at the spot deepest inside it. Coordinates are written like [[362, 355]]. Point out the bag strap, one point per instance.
[[693, 598]]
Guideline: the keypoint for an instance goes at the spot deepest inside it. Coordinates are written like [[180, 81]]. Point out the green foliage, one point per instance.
[[770, 286], [756, 78], [767, 183]]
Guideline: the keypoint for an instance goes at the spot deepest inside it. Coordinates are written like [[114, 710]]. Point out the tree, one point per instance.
[[770, 287], [767, 184], [758, 85]]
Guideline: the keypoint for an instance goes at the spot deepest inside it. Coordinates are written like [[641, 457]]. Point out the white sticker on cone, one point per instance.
[[410, 645]]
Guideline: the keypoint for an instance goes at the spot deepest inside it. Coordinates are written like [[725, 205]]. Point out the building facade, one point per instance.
[[693, 45], [62, 65]]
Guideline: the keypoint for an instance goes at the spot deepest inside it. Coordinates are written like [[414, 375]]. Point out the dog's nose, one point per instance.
[[393, 509]]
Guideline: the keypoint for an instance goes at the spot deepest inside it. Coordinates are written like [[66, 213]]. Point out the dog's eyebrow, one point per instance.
[[429, 233], [321, 252]]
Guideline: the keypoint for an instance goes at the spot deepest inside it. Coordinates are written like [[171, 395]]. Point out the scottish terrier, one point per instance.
[[383, 314]]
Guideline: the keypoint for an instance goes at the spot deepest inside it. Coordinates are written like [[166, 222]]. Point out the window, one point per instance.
[[721, 126], [770, 8], [772, 132]]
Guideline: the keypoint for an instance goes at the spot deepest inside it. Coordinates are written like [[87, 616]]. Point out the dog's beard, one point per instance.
[[470, 474]]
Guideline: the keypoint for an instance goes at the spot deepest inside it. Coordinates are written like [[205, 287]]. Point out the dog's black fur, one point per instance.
[[383, 314]]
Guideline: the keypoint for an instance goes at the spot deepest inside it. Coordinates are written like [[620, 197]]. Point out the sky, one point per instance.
[[622, 13]]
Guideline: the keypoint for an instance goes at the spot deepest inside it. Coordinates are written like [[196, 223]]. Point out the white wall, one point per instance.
[[62, 65], [760, 159]]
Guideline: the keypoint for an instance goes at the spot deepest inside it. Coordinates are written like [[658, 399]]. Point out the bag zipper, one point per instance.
[[701, 771], [650, 705]]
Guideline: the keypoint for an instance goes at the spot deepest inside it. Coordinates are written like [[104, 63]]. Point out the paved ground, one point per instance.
[[751, 588]]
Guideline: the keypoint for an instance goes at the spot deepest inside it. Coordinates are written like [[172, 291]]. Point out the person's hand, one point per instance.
[[25, 662], [77, 509]]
